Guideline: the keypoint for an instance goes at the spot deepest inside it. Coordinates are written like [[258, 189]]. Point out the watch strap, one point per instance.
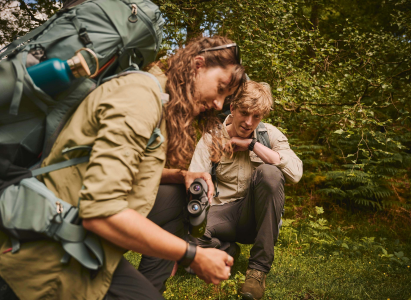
[[188, 257], [251, 145]]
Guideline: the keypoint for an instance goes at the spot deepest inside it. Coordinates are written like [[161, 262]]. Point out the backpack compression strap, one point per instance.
[[60, 165], [76, 241]]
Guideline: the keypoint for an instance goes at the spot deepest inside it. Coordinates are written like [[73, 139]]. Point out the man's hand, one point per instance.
[[240, 144], [212, 265], [190, 176]]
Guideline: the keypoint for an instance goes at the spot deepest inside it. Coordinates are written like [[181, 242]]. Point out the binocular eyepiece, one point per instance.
[[198, 207]]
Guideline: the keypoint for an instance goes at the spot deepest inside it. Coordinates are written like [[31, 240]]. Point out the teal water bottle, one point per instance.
[[55, 75]]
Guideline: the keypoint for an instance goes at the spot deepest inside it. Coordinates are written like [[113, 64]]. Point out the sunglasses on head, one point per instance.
[[237, 50]]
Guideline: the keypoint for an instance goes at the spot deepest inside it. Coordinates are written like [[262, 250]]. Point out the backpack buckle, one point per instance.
[[59, 208], [83, 35]]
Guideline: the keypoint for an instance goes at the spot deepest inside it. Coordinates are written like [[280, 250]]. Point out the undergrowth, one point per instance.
[[315, 258]]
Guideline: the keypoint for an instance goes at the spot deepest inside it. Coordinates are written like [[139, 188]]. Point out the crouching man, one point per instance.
[[250, 181]]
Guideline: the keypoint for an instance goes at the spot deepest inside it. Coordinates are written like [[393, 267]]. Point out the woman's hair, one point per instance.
[[179, 112], [256, 97]]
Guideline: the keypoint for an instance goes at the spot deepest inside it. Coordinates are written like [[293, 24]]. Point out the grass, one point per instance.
[[348, 258]]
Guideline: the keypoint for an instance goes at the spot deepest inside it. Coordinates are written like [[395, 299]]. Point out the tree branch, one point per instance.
[[328, 104], [24, 6]]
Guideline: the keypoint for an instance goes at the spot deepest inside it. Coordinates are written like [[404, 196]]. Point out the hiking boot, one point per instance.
[[254, 285]]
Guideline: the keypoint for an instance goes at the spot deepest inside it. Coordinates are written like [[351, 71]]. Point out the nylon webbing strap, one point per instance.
[[60, 165], [71, 232], [18, 89], [77, 242], [81, 31], [213, 173], [262, 135]]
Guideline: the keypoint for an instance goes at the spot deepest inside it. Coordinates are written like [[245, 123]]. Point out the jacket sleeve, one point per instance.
[[125, 116], [290, 164]]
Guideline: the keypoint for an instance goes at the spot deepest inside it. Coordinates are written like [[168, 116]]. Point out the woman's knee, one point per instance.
[[169, 204], [173, 193]]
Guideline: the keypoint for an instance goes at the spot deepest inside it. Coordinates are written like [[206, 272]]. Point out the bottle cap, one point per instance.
[[78, 66]]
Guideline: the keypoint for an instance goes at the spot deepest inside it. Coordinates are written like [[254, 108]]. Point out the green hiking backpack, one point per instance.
[[114, 35], [29, 211], [111, 35]]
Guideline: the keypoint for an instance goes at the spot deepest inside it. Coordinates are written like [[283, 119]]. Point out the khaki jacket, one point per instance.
[[234, 173], [117, 120]]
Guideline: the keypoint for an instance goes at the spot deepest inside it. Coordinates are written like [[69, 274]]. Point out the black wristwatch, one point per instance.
[[251, 146], [188, 257]]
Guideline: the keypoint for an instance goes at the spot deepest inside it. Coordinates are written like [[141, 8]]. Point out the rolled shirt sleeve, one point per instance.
[[201, 158], [290, 164], [125, 118]]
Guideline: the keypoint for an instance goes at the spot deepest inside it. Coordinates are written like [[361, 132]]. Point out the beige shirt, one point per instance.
[[117, 120], [234, 174]]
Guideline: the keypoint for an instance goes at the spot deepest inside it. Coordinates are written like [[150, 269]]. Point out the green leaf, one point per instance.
[[399, 254], [319, 210]]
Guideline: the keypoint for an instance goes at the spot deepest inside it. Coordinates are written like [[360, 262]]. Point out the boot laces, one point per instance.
[[256, 274]]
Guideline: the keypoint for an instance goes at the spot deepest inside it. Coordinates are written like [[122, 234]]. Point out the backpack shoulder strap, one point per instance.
[[262, 135], [213, 173]]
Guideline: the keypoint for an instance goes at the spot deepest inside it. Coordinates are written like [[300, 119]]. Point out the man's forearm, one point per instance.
[[173, 176], [130, 230], [267, 155]]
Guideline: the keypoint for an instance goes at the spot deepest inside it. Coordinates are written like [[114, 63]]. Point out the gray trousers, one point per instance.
[[254, 219]]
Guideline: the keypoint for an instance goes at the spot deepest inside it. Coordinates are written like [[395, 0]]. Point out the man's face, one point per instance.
[[245, 122], [211, 87]]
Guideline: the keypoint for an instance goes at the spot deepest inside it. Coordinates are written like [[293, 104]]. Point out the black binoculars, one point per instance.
[[198, 207]]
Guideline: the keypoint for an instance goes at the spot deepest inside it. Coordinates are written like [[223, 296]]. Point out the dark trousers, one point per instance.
[[148, 281], [168, 213], [254, 219]]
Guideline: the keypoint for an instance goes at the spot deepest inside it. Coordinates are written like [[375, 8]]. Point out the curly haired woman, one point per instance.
[[117, 188]]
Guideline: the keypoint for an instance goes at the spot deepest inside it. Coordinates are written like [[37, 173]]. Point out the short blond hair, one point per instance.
[[255, 98]]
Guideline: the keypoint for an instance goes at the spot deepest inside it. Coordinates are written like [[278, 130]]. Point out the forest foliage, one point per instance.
[[340, 76]]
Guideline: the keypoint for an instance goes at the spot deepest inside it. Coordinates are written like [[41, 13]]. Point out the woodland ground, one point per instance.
[[344, 255]]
